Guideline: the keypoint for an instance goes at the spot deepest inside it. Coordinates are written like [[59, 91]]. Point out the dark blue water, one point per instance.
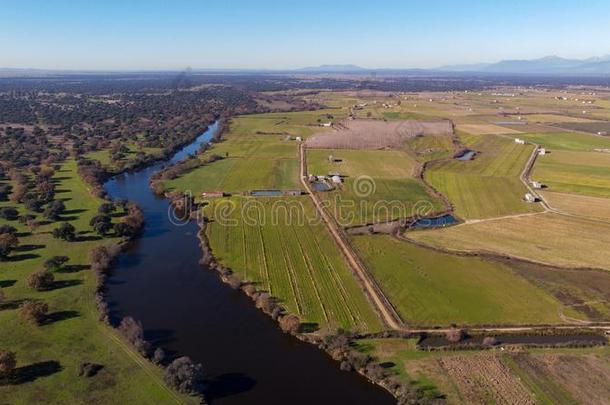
[[437, 222], [186, 309]]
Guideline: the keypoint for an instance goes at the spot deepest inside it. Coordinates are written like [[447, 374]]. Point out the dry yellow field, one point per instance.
[[549, 238], [485, 129], [586, 206]]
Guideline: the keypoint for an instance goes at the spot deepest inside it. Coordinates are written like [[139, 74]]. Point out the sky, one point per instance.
[[155, 34]]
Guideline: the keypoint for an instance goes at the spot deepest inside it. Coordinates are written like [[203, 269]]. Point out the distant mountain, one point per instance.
[[553, 65], [332, 69]]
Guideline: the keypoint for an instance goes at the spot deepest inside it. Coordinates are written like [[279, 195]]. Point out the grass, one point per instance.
[[548, 238], [76, 336], [581, 205], [568, 141], [257, 154], [393, 192], [281, 246], [431, 147], [487, 186], [585, 173], [103, 156], [431, 288]]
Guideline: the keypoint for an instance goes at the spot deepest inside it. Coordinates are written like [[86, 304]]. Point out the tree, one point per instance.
[[290, 323], [106, 208], [41, 280], [9, 213], [54, 210], [65, 231], [8, 242], [34, 311], [8, 362], [7, 229], [158, 356], [185, 376], [101, 223], [134, 333], [121, 229], [55, 262]]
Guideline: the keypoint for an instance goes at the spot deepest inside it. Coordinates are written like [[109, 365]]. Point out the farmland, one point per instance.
[[487, 186], [575, 204], [431, 288], [557, 239], [567, 141], [586, 173], [391, 194], [284, 249], [257, 153], [53, 352], [545, 376]]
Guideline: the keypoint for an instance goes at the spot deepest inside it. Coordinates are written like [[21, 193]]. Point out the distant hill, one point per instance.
[[332, 69], [547, 65]]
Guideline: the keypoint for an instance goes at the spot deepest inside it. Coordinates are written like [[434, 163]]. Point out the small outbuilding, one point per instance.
[[530, 198], [212, 194], [542, 151], [537, 184], [299, 139], [292, 192], [336, 179], [519, 141]]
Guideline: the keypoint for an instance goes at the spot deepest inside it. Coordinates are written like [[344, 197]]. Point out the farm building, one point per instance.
[[530, 198], [519, 141], [336, 179], [311, 178], [537, 184], [299, 139], [326, 124], [212, 194], [542, 151], [334, 159]]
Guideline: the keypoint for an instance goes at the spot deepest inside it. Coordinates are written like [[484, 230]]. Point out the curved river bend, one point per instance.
[[186, 309]]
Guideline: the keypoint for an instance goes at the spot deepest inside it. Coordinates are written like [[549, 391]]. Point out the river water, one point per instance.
[[187, 310]]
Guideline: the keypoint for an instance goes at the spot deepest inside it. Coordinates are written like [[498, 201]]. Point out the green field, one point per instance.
[[393, 190], [103, 156], [273, 244], [75, 336], [585, 173], [568, 141], [257, 152], [431, 147], [489, 185], [431, 288]]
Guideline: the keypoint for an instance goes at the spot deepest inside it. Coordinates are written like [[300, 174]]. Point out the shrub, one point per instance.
[[41, 280], [158, 356], [8, 243], [65, 232], [9, 213], [290, 323], [184, 376], [89, 369], [34, 312], [8, 362], [7, 229], [55, 262], [455, 335], [134, 333], [490, 341]]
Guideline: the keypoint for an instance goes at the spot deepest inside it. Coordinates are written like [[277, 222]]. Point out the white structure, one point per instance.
[[326, 124], [519, 141], [530, 198], [299, 139], [336, 179], [542, 151], [536, 184]]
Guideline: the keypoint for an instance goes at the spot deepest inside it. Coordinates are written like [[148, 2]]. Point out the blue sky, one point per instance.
[[153, 34]]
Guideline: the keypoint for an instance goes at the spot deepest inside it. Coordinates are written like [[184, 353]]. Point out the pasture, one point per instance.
[[431, 288], [581, 205], [546, 237], [487, 186], [282, 247], [387, 191], [577, 172], [568, 141], [73, 334]]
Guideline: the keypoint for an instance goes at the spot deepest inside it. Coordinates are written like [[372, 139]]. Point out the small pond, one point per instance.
[[437, 222], [466, 155]]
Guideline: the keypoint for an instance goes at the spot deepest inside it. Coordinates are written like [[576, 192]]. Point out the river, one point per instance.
[[187, 310]]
